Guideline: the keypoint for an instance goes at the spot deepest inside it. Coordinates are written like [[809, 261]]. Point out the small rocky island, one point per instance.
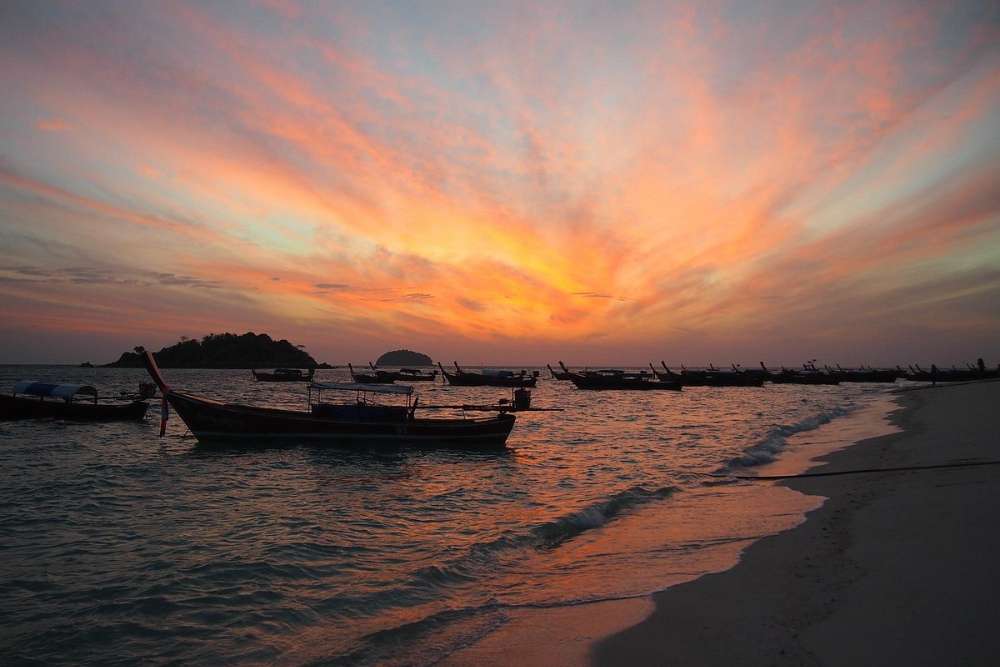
[[225, 350], [404, 358]]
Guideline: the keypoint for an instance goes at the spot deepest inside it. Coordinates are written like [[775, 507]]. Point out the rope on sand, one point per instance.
[[939, 466]]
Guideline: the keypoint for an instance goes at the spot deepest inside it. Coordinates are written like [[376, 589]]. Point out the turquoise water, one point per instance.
[[119, 545]]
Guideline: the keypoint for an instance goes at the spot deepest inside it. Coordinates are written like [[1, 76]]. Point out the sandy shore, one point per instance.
[[896, 568]]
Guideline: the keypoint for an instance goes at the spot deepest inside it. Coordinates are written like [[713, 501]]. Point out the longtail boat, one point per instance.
[[622, 381], [415, 375], [565, 375], [712, 377], [283, 375], [807, 376], [40, 400], [487, 378], [359, 423], [378, 377], [862, 374]]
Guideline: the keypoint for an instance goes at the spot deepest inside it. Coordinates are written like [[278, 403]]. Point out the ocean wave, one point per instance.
[[425, 583], [553, 533], [768, 448]]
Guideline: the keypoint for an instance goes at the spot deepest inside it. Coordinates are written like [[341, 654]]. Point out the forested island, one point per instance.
[[226, 350], [404, 358]]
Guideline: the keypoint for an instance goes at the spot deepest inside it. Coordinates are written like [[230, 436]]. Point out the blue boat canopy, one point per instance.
[[63, 391], [359, 386]]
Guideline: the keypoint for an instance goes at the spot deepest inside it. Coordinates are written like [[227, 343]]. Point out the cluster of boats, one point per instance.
[[365, 421], [373, 375], [967, 374], [738, 376]]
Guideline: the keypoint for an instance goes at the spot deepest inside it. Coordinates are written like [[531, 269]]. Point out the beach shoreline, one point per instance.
[[565, 634], [894, 568]]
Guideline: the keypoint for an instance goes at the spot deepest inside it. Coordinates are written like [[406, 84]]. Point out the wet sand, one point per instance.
[[895, 568]]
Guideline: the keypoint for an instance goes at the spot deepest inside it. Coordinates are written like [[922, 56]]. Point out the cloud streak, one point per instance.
[[698, 178]]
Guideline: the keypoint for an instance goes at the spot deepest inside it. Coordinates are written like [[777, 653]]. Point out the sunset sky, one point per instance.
[[503, 182]]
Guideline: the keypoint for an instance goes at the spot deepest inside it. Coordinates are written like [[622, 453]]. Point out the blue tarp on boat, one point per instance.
[[63, 391]]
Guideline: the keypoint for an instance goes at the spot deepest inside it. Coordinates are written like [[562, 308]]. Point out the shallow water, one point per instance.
[[118, 545]]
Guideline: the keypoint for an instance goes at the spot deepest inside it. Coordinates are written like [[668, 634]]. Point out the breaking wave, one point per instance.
[[767, 449]]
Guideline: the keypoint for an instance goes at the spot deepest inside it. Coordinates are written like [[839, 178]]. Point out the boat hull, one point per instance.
[[211, 421], [17, 407]]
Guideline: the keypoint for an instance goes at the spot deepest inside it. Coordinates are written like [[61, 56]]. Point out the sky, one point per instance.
[[503, 182]]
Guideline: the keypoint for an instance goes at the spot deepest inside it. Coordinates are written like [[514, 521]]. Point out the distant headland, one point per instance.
[[226, 350], [404, 358]]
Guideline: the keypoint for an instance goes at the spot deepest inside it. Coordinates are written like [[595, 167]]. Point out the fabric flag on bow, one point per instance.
[[164, 414]]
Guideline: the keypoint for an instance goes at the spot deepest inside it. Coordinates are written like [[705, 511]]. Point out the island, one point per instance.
[[404, 358], [226, 350]]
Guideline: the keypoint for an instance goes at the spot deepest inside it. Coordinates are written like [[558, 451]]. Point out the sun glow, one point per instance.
[[690, 180]]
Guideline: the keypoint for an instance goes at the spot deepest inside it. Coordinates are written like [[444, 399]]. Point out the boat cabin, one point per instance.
[[66, 392], [363, 409]]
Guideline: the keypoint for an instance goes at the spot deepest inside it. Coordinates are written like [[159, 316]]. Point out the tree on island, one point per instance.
[[224, 350], [404, 358]]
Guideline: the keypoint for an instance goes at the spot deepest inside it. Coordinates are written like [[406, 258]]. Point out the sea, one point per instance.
[[119, 546]]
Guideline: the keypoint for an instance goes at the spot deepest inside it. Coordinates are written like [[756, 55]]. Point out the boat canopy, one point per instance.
[[63, 391], [360, 386]]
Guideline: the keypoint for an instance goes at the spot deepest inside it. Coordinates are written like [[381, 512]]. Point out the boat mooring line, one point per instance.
[[939, 466]]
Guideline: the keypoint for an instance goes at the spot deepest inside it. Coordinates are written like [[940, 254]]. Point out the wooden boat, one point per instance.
[[807, 376], [621, 381], [564, 376], [39, 400], [501, 378], [351, 424], [712, 377], [415, 375], [283, 375], [868, 375], [378, 377]]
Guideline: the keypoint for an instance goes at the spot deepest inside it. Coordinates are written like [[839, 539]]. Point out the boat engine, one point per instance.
[[522, 399]]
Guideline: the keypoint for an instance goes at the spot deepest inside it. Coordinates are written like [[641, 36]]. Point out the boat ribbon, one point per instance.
[[164, 415]]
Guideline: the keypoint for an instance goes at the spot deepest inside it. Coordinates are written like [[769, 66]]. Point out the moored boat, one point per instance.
[[866, 375], [415, 375], [375, 377], [360, 423], [563, 375], [807, 376], [40, 400], [283, 375], [621, 381], [488, 378], [711, 377]]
